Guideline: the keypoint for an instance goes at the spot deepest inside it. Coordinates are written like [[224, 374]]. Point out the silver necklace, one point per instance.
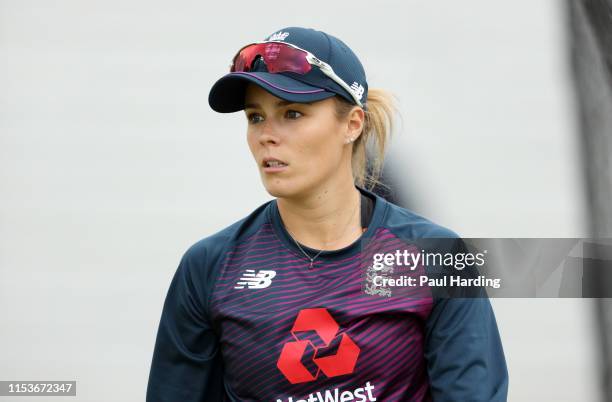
[[320, 251]]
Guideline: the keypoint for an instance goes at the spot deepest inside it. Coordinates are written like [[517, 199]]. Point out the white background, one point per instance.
[[112, 164]]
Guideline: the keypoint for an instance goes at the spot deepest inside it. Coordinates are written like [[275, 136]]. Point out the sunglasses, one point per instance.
[[285, 57]]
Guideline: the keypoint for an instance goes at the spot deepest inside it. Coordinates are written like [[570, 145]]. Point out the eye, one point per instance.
[[293, 114], [254, 118]]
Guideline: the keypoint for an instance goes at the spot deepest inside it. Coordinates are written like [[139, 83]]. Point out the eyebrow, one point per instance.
[[279, 104]]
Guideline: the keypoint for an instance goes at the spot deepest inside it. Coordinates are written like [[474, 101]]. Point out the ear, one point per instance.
[[355, 122]]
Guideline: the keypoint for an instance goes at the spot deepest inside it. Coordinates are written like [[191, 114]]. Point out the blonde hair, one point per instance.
[[375, 136]]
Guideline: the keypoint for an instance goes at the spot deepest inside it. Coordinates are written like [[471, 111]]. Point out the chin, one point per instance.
[[283, 188], [278, 188]]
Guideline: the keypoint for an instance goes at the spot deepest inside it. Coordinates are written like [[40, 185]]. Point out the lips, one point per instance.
[[273, 162]]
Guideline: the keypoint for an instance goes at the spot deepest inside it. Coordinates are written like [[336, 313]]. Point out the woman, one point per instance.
[[280, 306]]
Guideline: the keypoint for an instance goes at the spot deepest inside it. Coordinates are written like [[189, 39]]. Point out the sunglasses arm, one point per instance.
[[328, 70]]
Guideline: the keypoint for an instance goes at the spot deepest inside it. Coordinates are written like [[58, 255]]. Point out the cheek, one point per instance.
[[320, 146]]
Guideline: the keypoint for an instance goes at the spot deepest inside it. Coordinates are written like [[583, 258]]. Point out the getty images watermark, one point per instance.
[[487, 267], [384, 263], [413, 270]]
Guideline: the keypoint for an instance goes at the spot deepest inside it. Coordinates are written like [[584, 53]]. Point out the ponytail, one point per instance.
[[369, 148]]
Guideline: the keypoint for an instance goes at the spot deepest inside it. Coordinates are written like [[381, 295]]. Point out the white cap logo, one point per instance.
[[358, 89], [279, 36]]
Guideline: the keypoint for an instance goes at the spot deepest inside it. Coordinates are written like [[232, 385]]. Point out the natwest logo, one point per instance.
[[316, 336], [361, 394]]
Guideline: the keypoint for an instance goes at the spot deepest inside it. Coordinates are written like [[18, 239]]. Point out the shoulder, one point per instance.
[[415, 229], [443, 249], [409, 224]]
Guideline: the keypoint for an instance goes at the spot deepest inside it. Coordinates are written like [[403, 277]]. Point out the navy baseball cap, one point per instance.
[[227, 94]]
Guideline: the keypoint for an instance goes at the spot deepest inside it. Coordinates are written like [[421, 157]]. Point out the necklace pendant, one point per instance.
[[311, 262]]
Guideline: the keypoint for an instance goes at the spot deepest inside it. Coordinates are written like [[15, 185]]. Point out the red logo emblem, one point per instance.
[[316, 336]]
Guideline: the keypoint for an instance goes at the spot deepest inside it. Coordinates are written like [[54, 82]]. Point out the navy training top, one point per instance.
[[246, 319]]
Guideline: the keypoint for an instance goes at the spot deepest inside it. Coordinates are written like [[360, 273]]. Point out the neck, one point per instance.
[[328, 218]]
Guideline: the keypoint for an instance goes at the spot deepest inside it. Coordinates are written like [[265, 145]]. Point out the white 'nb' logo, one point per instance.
[[359, 89], [261, 279]]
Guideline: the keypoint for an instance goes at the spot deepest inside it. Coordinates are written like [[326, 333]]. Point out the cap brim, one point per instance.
[[227, 94]]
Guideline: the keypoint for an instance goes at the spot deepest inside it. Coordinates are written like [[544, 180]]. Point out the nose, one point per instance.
[[268, 134]]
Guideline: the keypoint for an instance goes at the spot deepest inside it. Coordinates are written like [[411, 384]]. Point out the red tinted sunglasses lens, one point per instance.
[[244, 59], [277, 56]]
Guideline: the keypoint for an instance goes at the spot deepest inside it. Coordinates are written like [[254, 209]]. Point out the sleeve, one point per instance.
[[186, 364], [464, 354], [463, 349]]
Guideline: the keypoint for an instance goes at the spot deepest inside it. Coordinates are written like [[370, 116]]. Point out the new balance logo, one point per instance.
[[279, 36], [255, 280], [359, 89]]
